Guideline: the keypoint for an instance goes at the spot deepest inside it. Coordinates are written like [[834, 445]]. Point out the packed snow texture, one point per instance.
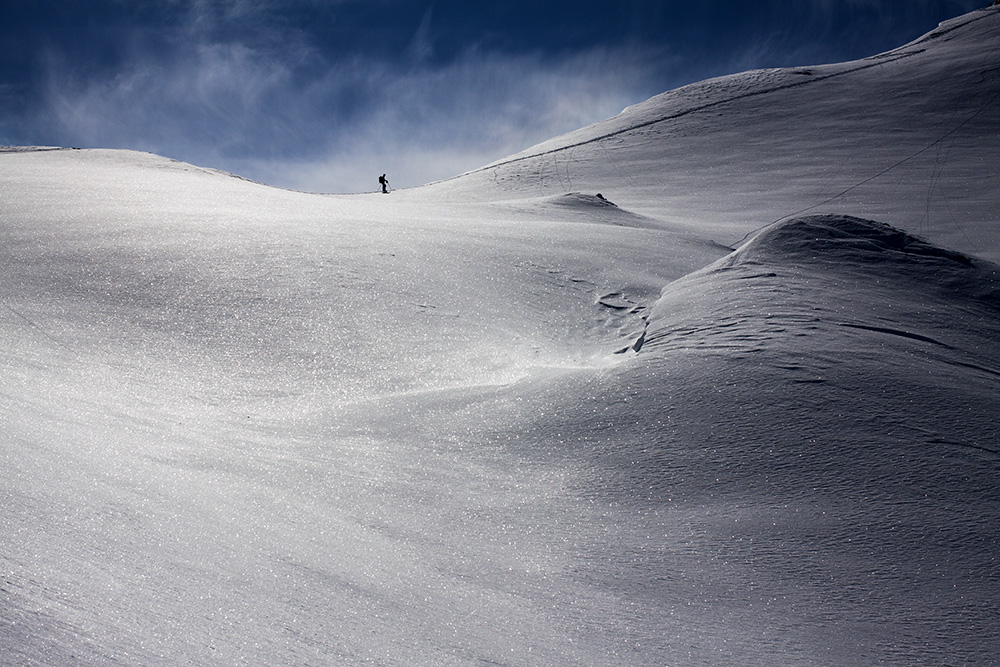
[[739, 409]]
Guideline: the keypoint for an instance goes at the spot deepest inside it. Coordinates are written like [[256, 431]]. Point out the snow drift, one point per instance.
[[501, 420]]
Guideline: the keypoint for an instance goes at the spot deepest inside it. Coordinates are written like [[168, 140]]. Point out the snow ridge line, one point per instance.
[[888, 57], [940, 31], [686, 112]]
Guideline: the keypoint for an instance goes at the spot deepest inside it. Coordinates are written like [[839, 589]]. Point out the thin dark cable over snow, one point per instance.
[[885, 171], [37, 327]]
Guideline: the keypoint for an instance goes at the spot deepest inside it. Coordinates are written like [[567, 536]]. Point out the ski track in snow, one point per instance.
[[500, 420]]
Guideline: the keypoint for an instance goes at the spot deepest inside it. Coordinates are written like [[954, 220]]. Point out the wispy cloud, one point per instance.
[[282, 112], [431, 123], [822, 31]]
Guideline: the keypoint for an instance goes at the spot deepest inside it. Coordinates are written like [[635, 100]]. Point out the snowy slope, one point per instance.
[[908, 137], [806, 449], [499, 420]]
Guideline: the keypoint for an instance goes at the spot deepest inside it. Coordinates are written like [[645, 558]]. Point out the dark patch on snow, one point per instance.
[[33, 149], [897, 332], [615, 301], [637, 345]]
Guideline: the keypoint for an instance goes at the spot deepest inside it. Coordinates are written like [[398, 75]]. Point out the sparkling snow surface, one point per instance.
[[501, 420]]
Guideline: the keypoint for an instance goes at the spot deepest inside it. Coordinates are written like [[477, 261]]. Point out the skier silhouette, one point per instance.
[[385, 183]]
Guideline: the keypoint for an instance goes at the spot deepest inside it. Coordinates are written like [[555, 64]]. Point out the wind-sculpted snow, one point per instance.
[[807, 279], [887, 275], [503, 420], [808, 447]]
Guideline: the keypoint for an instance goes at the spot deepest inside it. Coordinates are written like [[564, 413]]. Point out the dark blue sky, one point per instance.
[[327, 94]]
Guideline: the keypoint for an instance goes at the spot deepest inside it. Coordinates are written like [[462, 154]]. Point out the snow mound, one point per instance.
[[839, 237], [815, 411], [583, 201], [825, 273], [585, 208]]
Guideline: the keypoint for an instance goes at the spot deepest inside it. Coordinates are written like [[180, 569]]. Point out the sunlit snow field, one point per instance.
[[740, 409]]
